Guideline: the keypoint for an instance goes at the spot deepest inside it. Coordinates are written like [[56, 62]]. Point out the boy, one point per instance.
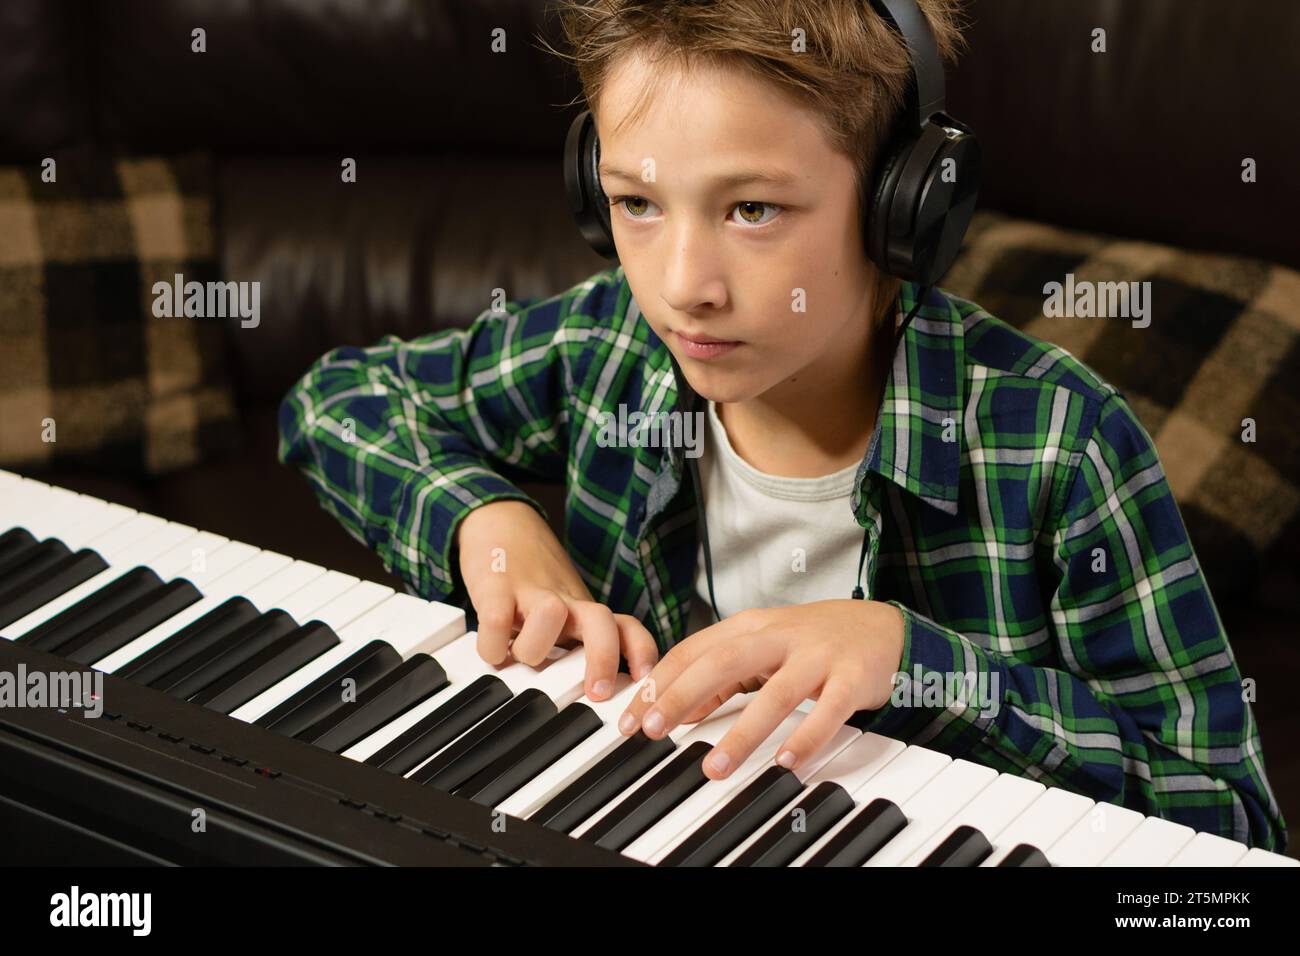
[[1022, 535]]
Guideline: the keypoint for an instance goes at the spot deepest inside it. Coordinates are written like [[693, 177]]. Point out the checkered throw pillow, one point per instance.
[[1222, 347], [89, 377]]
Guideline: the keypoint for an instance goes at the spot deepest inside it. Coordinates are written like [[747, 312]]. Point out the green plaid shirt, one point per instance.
[[1017, 513]]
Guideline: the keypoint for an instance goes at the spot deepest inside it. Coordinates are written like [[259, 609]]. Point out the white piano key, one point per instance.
[[351, 604], [1154, 842], [34, 507], [1210, 849], [693, 812], [142, 553], [1256, 856], [240, 572], [990, 811], [1044, 822], [409, 624], [327, 589], [101, 519], [115, 540], [21, 504], [930, 808], [284, 586], [48, 510], [865, 756], [1094, 836]]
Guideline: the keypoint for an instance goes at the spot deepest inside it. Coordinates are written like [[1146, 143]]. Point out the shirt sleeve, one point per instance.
[[1146, 707], [402, 440]]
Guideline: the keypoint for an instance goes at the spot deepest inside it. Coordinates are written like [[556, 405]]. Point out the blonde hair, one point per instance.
[[852, 70]]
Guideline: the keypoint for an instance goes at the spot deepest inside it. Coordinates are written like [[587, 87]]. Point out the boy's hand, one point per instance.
[[843, 653], [531, 589]]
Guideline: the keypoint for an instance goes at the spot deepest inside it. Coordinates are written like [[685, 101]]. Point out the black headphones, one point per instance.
[[925, 190], [921, 206]]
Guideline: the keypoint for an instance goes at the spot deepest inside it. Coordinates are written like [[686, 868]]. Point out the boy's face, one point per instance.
[[736, 261]]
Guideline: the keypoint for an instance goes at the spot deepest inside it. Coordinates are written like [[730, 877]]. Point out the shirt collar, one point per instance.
[[917, 441]]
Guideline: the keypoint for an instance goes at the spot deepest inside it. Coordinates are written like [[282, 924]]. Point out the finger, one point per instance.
[[712, 673], [835, 705], [545, 614], [594, 624], [670, 667], [638, 645], [495, 606], [776, 701]]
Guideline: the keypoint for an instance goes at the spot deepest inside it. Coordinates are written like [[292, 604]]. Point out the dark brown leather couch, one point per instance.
[[459, 184]]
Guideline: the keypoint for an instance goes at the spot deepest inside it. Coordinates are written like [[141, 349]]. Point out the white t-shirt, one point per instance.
[[757, 525]]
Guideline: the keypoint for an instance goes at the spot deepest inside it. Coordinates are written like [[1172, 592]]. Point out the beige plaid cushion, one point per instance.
[[83, 359], [1223, 345]]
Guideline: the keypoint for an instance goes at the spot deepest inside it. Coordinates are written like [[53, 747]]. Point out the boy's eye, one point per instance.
[[747, 210], [625, 202]]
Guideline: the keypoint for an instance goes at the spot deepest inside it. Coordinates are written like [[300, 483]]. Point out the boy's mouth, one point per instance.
[[705, 339], [704, 347]]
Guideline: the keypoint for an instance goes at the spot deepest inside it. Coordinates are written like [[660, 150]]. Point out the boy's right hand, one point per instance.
[[531, 589]]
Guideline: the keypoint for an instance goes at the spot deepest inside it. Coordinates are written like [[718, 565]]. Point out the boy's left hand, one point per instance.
[[842, 653]]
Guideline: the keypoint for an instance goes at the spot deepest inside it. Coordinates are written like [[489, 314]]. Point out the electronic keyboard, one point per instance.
[[255, 709]]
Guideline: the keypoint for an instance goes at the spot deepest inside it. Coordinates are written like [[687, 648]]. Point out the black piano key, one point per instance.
[[415, 679], [73, 570], [651, 801], [783, 842], [91, 609], [1025, 854], [735, 822], [200, 633], [33, 564], [862, 837], [121, 627], [439, 728], [606, 779], [965, 846], [555, 738], [267, 667], [188, 678], [22, 546], [15, 540], [325, 693], [495, 735]]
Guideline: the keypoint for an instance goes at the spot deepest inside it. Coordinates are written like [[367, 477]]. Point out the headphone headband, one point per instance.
[[926, 87]]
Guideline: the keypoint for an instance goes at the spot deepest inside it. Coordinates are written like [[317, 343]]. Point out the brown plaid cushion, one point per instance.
[[1222, 346], [83, 359]]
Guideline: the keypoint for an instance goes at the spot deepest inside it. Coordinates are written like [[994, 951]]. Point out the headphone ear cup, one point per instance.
[[879, 213], [587, 201]]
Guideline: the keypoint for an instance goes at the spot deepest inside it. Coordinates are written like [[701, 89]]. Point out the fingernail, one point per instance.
[[719, 761], [641, 671], [626, 724], [787, 759], [654, 723], [601, 688]]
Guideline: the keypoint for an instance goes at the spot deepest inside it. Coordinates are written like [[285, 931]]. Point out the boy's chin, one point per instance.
[[719, 385]]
